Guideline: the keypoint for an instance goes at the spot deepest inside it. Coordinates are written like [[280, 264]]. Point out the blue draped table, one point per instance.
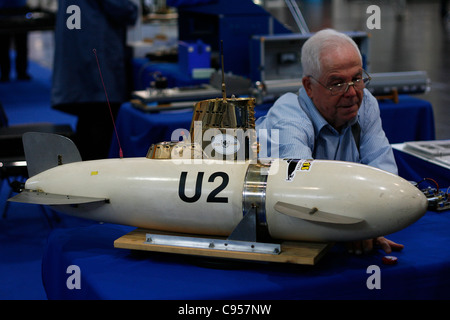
[[415, 167], [422, 271], [409, 120]]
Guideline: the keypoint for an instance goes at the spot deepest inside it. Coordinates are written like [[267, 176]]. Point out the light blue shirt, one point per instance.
[[295, 128]]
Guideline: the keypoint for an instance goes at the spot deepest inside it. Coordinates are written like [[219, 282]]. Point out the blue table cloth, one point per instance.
[[110, 273], [415, 169]]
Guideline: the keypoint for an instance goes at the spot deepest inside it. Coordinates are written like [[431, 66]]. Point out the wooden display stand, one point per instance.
[[392, 96], [305, 253]]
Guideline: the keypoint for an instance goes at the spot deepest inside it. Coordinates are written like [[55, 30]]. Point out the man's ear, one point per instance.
[[306, 81]]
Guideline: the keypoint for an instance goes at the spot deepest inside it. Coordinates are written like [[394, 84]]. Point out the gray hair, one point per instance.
[[313, 47]]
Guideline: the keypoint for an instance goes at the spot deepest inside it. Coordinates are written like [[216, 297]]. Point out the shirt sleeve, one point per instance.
[[284, 132], [375, 148]]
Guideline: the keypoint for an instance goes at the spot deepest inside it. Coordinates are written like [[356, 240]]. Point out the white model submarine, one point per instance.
[[288, 199]]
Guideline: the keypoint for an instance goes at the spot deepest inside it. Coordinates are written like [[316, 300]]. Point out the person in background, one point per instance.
[[96, 32], [13, 8], [333, 117]]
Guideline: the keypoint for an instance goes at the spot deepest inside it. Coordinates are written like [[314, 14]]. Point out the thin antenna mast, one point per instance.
[[224, 91], [109, 106]]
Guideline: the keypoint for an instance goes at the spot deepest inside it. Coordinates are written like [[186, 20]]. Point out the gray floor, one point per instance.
[[413, 36]]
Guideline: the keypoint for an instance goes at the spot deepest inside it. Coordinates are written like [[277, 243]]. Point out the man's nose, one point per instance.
[[350, 91]]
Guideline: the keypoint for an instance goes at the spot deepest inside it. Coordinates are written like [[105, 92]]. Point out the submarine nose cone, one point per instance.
[[340, 201]]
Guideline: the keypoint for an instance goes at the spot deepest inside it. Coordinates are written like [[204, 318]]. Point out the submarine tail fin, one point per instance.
[[46, 150], [313, 214]]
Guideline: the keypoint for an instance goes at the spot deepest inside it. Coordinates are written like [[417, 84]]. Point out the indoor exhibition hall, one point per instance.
[[224, 156]]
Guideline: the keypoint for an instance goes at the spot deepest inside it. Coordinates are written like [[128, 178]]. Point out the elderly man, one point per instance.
[[333, 117]]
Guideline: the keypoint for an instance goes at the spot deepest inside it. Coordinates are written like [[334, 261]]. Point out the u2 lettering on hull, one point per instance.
[[213, 196]]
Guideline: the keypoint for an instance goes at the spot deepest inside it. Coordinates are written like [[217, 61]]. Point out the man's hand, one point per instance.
[[359, 247]]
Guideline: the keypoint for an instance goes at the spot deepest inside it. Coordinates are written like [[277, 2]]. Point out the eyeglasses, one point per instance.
[[341, 88]]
